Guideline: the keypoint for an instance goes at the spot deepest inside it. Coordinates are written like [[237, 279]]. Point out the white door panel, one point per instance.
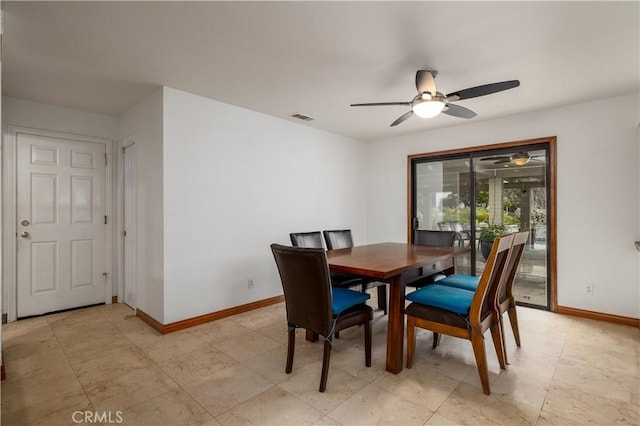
[[61, 205]]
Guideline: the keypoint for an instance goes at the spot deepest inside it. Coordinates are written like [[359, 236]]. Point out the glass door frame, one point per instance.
[[546, 143]]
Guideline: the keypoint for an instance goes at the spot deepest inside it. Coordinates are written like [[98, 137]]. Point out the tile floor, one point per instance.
[[569, 371]]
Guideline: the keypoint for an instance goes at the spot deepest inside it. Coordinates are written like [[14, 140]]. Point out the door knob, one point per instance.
[[25, 223], [25, 234]]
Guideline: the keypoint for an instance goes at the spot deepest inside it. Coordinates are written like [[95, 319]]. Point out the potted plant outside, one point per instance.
[[487, 235]]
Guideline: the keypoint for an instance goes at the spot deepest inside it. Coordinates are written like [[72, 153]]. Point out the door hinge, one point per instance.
[[105, 159], [105, 220], [124, 233]]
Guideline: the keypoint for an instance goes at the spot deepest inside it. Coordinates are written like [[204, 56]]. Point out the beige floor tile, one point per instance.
[[523, 387], [218, 331], [40, 362], [19, 394], [326, 421], [122, 392], [26, 342], [56, 411], [585, 372], [419, 385], [171, 345], [276, 405], [194, 365], [567, 402], [440, 420], [603, 359], [227, 388], [175, 407], [111, 366], [247, 345], [271, 364], [468, 405], [592, 380], [375, 406], [340, 387], [95, 347], [260, 318]]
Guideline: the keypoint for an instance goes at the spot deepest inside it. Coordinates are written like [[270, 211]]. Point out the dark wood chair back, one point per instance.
[[338, 239], [307, 239]]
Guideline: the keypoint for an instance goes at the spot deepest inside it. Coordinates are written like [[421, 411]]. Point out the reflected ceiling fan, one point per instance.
[[517, 159], [429, 102]]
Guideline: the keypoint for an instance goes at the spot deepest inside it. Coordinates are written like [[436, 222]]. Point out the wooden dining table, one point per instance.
[[396, 264]]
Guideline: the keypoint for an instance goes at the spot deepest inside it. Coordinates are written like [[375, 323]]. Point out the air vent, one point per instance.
[[302, 117]]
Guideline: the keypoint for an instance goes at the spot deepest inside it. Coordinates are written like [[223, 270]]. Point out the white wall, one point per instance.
[[597, 198], [22, 113], [236, 181], [142, 124]]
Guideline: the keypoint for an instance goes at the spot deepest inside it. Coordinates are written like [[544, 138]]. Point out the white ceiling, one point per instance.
[[316, 58]]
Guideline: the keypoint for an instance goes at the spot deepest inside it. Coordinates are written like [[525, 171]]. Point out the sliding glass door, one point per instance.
[[475, 192]]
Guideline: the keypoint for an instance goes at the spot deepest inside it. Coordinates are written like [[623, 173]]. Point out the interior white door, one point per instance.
[[61, 224], [130, 228]]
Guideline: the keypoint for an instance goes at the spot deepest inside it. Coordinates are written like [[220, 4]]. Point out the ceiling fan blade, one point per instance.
[[458, 111], [486, 89], [495, 158], [384, 103], [425, 82], [402, 118], [503, 160]]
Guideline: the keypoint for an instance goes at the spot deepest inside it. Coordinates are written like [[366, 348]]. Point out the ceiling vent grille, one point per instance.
[[302, 117]]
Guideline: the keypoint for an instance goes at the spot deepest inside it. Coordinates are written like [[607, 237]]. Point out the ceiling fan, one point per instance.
[[429, 102], [517, 159]]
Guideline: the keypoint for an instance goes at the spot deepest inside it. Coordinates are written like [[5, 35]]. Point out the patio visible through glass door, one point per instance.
[[476, 193], [511, 196]]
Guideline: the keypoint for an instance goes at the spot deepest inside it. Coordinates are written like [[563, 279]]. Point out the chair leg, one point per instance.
[[513, 319], [436, 340], [367, 343], [497, 333], [481, 360], [411, 341], [291, 347], [325, 365], [382, 298]]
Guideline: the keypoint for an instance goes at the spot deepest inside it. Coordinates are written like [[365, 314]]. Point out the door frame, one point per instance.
[[551, 197], [126, 142], [9, 199]]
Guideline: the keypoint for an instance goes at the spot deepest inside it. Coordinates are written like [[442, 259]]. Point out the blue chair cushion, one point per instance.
[[467, 282], [444, 297], [344, 299]]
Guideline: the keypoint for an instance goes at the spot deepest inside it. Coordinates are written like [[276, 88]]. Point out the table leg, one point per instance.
[[395, 326]]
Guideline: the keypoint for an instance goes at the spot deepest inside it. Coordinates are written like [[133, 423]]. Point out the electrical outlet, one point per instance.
[[588, 289], [250, 284]]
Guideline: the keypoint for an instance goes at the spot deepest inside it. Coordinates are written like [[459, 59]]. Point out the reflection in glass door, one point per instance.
[[475, 192], [443, 202], [511, 196]]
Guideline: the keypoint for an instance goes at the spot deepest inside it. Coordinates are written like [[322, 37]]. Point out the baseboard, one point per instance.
[[599, 316], [157, 326], [202, 319], [114, 299]]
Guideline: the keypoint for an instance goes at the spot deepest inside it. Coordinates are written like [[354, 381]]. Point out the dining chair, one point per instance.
[[313, 304], [505, 301], [307, 239], [462, 313], [340, 239], [314, 240], [424, 237]]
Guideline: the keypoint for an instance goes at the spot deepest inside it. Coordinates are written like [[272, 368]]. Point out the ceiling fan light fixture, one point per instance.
[[428, 109], [520, 159]]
